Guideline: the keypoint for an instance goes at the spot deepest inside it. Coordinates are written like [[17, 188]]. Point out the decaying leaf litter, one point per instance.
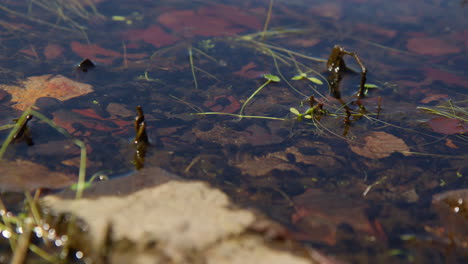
[[219, 148]]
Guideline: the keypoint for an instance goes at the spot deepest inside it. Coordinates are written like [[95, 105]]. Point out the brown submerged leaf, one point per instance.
[[23, 175], [319, 214], [379, 145], [260, 166], [35, 87]]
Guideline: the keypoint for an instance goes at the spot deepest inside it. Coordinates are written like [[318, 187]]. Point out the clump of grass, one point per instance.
[[66, 15], [18, 229], [450, 109]]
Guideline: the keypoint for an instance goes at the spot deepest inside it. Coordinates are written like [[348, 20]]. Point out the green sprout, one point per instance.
[[298, 114], [270, 78], [304, 75], [369, 86], [314, 112]]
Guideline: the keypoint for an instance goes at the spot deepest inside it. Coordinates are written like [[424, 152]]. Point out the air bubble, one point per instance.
[[6, 234]]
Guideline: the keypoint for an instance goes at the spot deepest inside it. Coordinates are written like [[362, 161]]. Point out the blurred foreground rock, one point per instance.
[[179, 222]]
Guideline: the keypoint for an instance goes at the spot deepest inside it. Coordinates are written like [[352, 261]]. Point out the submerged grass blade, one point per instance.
[[35, 20], [82, 171], [267, 20], [14, 131], [19, 255], [241, 116], [192, 67]]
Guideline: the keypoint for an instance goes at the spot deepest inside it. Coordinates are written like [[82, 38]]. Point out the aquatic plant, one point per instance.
[[270, 78]]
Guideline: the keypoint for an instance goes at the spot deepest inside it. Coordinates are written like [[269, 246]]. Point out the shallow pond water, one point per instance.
[[353, 176]]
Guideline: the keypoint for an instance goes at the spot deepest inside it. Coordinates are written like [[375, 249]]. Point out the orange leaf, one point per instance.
[[449, 143], [379, 145], [35, 87]]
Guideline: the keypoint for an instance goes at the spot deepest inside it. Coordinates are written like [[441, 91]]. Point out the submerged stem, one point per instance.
[[252, 96], [192, 67], [267, 21]]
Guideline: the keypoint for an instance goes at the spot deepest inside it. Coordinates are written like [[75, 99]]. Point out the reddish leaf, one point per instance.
[[66, 120], [94, 52], [119, 110], [431, 46], [447, 77], [434, 97], [249, 72], [217, 20], [307, 43], [388, 33], [153, 35], [233, 14], [53, 51], [448, 126], [100, 125], [379, 145], [190, 24], [88, 113], [216, 106], [99, 54], [35, 87]]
